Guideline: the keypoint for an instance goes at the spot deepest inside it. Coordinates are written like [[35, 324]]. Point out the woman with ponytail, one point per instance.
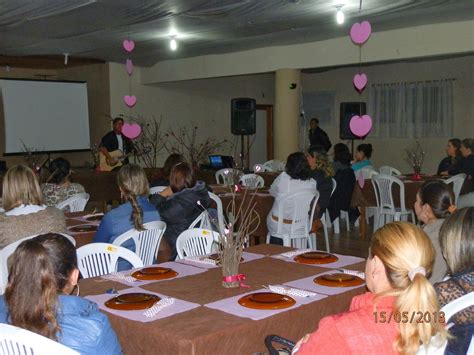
[[322, 172], [435, 202], [400, 259], [132, 213], [42, 275]]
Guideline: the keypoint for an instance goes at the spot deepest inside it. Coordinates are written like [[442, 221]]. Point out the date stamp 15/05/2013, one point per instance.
[[409, 317]]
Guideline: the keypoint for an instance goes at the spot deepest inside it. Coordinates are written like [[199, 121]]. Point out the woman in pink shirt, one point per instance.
[[386, 319]]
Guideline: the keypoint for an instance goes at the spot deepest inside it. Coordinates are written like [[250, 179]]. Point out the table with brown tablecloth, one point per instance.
[[209, 331]]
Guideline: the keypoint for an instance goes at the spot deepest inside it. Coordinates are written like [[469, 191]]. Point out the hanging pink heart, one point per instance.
[[130, 100], [129, 66], [128, 45], [360, 179], [360, 126], [360, 32], [360, 81], [131, 131]]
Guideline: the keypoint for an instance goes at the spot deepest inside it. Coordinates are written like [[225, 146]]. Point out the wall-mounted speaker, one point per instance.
[[243, 116], [347, 111]]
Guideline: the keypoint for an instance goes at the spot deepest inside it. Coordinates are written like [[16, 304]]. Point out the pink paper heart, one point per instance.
[[128, 45], [360, 32], [360, 179], [131, 131], [360, 126], [130, 101], [129, 66], [360, 81]]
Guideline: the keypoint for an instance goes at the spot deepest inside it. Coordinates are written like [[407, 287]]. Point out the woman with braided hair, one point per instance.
[[132, 213]]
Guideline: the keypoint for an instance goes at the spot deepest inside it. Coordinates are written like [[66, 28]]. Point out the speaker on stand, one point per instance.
[[347, 111], [243, 121]]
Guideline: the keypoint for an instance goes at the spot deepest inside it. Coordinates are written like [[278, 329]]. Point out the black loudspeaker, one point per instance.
[[347, 110], [243, 116]]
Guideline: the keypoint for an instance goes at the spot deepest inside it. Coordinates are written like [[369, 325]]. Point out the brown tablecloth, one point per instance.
[[208, 331]]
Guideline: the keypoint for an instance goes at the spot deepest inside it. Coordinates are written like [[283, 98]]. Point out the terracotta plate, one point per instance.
[[154, 273], [83, 228], [315, 257], [132, 301], [338, 280], [266, 300], [95, 218]]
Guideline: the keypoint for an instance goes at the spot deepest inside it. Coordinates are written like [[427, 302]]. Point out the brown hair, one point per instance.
[[40, 269], [170, 162], [401, 247], [456, 238], [133, 182], [456, 143], [322, 162], [20, 186], [181, 177], [438, 196]]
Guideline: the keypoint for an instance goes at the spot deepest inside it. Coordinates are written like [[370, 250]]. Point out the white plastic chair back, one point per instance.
[[9, 250], [201, 221], [274, 165], [260, 168], [146, 242], [220, 211], [368, 172], [383, 187], [157, 189], [227, 176], [98, 259], [196, 241], [388, 170], [457, 181], [76, 203], [252, 181], [18, 341]]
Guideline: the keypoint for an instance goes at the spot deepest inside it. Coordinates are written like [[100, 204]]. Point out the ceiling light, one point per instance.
[[339, 16], [173, 44]]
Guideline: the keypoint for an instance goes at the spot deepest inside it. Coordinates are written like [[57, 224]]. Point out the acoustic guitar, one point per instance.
[[116, 155]]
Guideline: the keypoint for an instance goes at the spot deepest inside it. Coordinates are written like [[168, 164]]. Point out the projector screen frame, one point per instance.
[[48, 152]]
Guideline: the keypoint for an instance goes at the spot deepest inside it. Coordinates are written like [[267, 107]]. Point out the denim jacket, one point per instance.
[[83, 327]]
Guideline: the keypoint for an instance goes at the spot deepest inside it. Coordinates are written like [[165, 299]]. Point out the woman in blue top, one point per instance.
[[43, 273], [362, 156]]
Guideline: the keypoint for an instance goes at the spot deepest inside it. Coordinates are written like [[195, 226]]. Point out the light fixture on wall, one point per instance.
[[173, 43], [339, 15]]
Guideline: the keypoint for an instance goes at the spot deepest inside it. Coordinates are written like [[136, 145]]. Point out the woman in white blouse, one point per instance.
[[295, 178]]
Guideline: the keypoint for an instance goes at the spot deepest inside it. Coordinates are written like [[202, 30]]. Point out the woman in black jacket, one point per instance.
[[322, 172], [178, 203]]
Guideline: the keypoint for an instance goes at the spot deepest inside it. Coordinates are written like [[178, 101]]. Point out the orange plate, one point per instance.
[[83, 228], [132, 301], [338, 280], [154, 273], [266, 300], [315, 257], [95, 218]]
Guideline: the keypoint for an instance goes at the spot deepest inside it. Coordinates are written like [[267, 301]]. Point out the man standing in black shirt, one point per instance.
[[115, 140], [317, 136]]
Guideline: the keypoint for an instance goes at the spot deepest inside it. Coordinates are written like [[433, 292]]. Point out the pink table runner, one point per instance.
[[343, 261]]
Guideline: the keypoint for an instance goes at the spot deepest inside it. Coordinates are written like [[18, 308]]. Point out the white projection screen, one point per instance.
[[47, 116]]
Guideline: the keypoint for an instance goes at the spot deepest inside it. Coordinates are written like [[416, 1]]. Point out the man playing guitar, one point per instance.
[[115, 141]]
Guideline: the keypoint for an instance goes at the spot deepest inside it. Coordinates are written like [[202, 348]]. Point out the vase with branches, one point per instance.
[[33, 157], [415, 156]]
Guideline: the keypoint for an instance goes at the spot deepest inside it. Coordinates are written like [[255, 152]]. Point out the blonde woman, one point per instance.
[[397, 269], [322, 172], [132, 213], [25, 213]]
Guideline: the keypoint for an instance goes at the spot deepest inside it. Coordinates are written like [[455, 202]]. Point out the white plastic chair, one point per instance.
[[301, 220], [252, 181], [201, 221], [98, 259], [157, 189], [9, 250], [385, 202], [146, 242], [195, 241], [227, 176], [457, 181], [274, 165], [260, 168], [76, 203], [368, 172], [18, 341], [388, 170], [220, 211]]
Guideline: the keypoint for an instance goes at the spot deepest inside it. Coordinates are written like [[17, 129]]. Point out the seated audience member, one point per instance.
[[452, 160], [342, 157], [362, 156], [400, 256], [25, 213], [457, 245], [43, 273], [171, 161], [321, 171], [295, 178], [466, 166], [435, 202], [178, 203], [59, 187], [132, 213]]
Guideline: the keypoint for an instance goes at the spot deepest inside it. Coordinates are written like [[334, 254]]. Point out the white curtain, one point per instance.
[[412, 110]]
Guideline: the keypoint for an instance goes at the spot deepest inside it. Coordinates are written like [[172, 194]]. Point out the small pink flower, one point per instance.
[[237, 188]]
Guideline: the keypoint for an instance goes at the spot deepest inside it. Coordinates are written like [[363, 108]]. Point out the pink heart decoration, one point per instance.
[[129, 66], [131, 131], [130, 101], [360, 32], [360, 179], [360, 126], [360, 81], [128, 45]]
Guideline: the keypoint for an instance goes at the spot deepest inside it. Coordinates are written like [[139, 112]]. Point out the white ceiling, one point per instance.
[[96, 28]]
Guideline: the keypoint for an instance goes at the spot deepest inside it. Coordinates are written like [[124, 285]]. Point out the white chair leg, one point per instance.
[[286, 241], [336, 225], [268, 238], [326, 240], [312, 241], [347, 221]]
